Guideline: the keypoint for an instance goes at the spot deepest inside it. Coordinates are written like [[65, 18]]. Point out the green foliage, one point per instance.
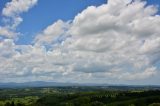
[[70, 96], [155, 104], [131, 105], [101, 98]]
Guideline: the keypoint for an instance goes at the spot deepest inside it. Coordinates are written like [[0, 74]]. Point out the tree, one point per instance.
[[155, 104], [7, 104], [12, 104]]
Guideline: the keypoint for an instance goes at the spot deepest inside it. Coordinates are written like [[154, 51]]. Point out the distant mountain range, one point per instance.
[[45, 84], [33, 84], [54, 84]]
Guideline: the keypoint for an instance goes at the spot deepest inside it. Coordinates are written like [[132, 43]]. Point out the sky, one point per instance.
[[80, 41]]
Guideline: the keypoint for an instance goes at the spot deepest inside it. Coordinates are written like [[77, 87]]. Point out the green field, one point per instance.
[[79, 96]]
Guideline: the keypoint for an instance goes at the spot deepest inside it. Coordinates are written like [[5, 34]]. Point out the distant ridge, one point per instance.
[[45, 84], [63, 84], [34, 84]]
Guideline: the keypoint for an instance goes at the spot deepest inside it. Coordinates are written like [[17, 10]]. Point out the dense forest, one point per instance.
[[79, 96]]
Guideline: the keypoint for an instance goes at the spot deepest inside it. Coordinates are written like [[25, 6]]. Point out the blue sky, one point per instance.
[[80, 41], [45, 13]]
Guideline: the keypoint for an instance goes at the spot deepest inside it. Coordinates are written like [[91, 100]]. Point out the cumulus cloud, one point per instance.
[[12, 18], [124, 39], [53, 34], [16, 7], [118, 40], [4, 31]]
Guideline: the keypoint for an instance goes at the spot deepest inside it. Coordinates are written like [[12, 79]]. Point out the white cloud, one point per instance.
[[11, 15], [118, 38], [102, 43], [4, 31], [140, 75], [52, 33], [16, 7]]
